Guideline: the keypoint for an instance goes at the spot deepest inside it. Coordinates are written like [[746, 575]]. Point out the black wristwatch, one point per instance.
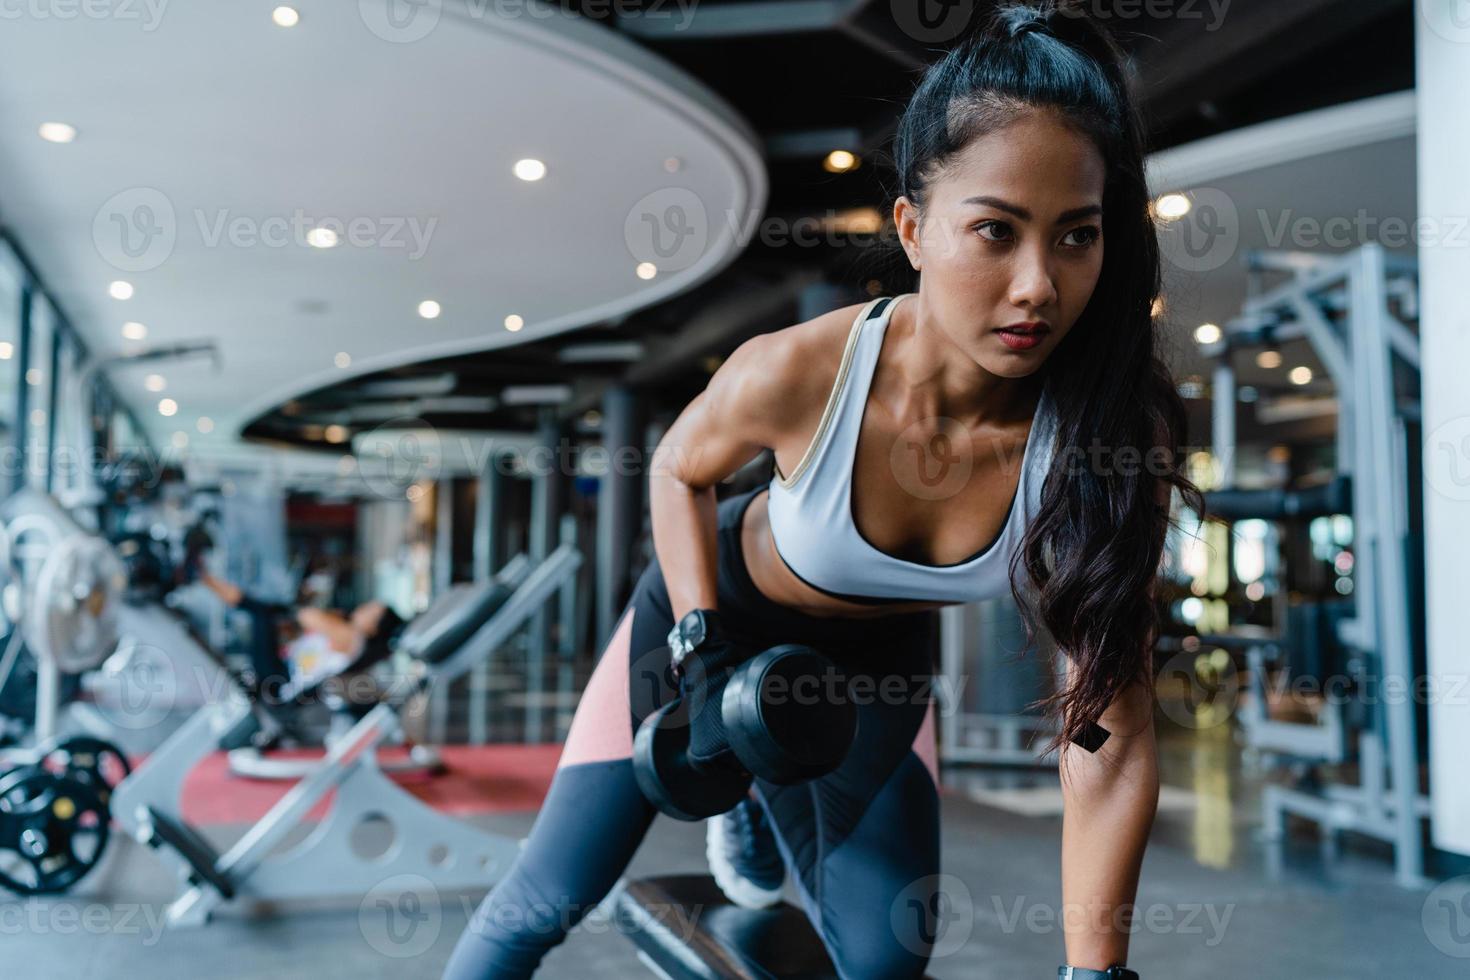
[[697, 626], [1082, 973]]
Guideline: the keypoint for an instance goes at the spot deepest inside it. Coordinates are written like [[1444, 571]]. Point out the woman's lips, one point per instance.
[[1022, 339]]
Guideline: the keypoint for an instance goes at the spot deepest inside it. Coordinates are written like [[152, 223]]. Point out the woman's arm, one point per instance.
[[1109, 799], [340, 633], [726, 426]]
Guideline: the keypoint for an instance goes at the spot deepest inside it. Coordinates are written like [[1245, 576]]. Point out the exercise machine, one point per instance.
[[460, 629], [1358, 311]]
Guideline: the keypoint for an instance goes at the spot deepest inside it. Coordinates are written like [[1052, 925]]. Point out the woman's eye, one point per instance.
[[1090, 233], [995, 226]]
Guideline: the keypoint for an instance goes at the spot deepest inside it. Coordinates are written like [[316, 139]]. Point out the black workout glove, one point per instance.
[[704, 675], [1082, 973]]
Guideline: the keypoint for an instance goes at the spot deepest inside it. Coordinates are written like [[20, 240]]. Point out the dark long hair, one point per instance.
[[1094, 549]]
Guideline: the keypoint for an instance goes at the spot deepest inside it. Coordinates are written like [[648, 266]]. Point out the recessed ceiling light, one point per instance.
[[429, 309], [336, 433], [529, 169], [57, 132], [840, 161], [1268, 359], [38, 417], [673, 165], [133, 330], [167, 407], [1171, 207], [285, 16], [154, 382], [7, 350], [646, 270], [120, 289], [1206, 333], [1300, 375], [514, 322], [34, 376], [205, 424], [321, 238], [179, 439], [343, 359]]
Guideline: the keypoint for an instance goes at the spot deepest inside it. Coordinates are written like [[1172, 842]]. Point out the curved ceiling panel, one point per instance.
[[212, 142]]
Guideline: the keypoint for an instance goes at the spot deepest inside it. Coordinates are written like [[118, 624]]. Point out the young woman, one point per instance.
[[1009, 417]]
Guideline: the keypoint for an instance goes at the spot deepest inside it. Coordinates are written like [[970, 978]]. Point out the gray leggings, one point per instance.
[[862, 842]]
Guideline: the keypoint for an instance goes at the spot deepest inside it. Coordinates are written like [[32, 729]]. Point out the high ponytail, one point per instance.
[[1093, 551]]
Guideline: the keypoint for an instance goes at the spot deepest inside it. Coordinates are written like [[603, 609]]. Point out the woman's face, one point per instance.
[[1012, 232]]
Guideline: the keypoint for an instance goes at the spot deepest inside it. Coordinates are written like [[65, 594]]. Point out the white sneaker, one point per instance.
[[743, 856]]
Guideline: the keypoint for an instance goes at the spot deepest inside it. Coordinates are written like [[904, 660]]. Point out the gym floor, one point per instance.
[[1209, 905]]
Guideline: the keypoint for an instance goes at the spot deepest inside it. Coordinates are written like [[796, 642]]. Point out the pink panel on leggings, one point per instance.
[[601, 730], [925, 746]]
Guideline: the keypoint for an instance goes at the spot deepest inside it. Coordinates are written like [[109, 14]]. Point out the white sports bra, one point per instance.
[[810, 512]]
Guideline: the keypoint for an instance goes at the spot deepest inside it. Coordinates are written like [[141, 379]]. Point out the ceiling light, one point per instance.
[[646, 270], [1268, 359], [33, 376], [1207, 333], [840, 161], [167, 407], [536, 394], [1171, 207], [57, 132], [514, 322], [343, 359], [120, 289], [205, 424], [606, 350], [336, 433], [154, 382], [429, 309], [179, 439], [7, 350], [321, 238], [285, 16], [529, 169], [132, 330], [1300, 375]]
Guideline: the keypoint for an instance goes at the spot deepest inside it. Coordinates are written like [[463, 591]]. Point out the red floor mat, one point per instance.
[[477, 779]]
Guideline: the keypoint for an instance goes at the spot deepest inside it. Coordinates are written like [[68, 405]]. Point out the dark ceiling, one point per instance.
[[814, 75]]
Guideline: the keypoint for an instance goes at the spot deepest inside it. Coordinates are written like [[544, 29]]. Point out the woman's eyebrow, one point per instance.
[[1024, 215]]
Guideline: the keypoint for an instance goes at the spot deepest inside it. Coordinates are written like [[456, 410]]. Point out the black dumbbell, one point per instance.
[[787, 719]]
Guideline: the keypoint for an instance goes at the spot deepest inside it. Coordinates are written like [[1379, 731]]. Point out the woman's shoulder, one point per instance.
[[798, 363]]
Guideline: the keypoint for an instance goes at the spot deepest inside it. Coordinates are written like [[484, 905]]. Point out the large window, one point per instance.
[[67, 453], [11, 279], [38, 387]]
